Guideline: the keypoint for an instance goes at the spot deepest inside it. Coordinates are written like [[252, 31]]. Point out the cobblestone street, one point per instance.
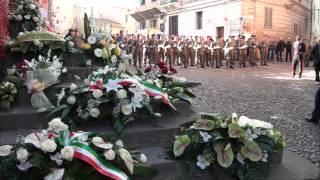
[[267, 93]]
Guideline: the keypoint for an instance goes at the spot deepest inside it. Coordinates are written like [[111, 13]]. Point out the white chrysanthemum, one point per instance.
[[97, 93], [48, 145], [122, 94], [20, 7], [71, 99], [19, 17], [110, 155], [22, 155], [94, 112], [36, 42], [91, 39], [73, 86], [35, 19], [113, 59], [71, 43], [32, 6], [5, 150], [143, 158], [27, 16], [64, 70], [57, 125], [67, 152], [126, 109], [119, 143], [98, 52]]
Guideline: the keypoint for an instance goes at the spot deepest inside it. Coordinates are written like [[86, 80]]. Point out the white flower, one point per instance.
[[20, 7], [244, 121], [24, 166], [99, 142], [94, 112], [73, 86], [35, 19], [249, 135], [205, 136], [157, 114], [67, 152], [202, 162], [71, 43], [57, 158], [113, 59], [264, 157], [71, 99], [122, 94], [234, 117], [91, 39], [98, 52], [126, 109], [5, 150], [123, 67], [35, 139], [143, 158], [21, 33], [86, 82], [176, 79], [56, 174], [48, 145], [32, 6], [36, 42], [19, 17], [97, 93], [157, 97], [224, 125], [57, 125], [27, 16], [240, 158], [109, 155], [22, 155], [119, 143], [64, 70]]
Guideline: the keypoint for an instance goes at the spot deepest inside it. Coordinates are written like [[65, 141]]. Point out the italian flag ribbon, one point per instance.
[[88, 155], [96, 83], [148, 88]]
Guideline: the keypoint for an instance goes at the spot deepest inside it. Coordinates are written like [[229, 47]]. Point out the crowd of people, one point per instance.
[[206, 51]]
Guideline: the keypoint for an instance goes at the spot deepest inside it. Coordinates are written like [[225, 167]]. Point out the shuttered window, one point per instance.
[[268, 17]]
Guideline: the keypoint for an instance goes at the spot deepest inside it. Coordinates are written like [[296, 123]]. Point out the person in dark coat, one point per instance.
[[289, 50], [316, 59], [279, 49], [316, 112]]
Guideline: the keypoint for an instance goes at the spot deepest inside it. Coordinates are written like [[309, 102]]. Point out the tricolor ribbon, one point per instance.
[[149, 88], [88, 155]]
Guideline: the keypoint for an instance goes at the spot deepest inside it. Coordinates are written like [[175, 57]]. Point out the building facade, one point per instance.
[[279, 18]]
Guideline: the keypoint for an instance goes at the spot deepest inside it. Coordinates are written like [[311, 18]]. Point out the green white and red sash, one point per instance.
[[149, 88], [88, 155]]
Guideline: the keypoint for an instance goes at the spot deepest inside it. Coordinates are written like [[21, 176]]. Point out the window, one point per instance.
[[142, 2], [142, 25], [153, 23], [305, 25], [295, 28], [199, 20], [267, 17], [153, 0]]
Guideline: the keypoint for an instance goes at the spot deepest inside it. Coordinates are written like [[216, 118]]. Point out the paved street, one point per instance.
[[266, 93]]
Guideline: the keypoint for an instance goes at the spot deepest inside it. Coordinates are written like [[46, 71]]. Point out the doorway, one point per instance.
[[220, 31], [173, 25]]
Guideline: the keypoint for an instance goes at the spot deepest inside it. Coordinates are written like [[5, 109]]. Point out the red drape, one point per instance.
[[4, 23]]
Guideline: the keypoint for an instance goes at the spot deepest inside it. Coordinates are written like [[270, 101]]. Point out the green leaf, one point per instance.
[[235, 131], [204, 124], [57, 109], [251, 150], [65, 112], [144, 170], [185, 97], [224, 154], [189, 93], [180, 144]]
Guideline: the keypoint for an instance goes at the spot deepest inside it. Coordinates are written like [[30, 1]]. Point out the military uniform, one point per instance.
[[201, 54], [169, 52], [208, 56], [153, 44], [217, 53], [252, 51], [264, 45], [192, 52], [160, 51], [138, 52], [147, 52], [243, 52], [184, 54], [175, 48], [231, 46]]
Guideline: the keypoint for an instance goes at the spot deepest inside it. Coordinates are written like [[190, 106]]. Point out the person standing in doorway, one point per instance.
[[298, 51], [316, 59]]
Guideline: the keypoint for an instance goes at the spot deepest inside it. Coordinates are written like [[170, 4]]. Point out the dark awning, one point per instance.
[[147, 14]]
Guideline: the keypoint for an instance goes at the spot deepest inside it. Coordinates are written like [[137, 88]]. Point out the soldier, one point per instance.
[[169, 51], [252, 50], [201, 53], [208, 52], [138, 50], [221, 44], [147, 50], [264, 46], [161, 42], [175, 51], [237, 50], [192, 51], [307, 54], [184, 53], [217, 52], [231, 46], [153, 44], [243, 52]]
